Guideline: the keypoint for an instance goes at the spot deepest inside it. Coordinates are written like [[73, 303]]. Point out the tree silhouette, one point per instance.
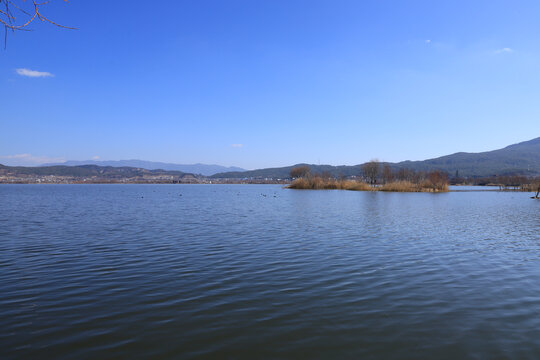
[[371, 170], [300, 171]]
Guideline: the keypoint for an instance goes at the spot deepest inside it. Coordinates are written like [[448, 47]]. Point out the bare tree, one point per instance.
[[326, 175], [16, 15], [405, 174], [438, 179], [387, 174], [371, 170], [300, 171]]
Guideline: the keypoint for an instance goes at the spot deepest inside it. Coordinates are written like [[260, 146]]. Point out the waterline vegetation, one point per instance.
[[372, 179]]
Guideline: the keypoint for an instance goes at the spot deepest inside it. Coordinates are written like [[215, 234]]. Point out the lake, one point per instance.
[[258, 271]]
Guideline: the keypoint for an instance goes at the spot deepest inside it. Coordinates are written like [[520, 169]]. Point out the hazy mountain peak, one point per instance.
[[198, 168]]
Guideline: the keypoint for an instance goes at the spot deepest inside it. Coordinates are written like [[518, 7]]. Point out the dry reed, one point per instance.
[[318, 183]]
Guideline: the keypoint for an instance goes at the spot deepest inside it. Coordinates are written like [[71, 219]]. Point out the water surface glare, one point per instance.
[[258, 271]]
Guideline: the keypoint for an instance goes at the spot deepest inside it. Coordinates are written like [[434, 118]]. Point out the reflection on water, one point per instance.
[[160, 271]]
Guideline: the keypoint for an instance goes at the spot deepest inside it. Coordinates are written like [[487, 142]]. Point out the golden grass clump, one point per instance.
[[400, 186], [300, 183], [313, 183], [318, 183], [407, 186], [430, 186], [355, 185]]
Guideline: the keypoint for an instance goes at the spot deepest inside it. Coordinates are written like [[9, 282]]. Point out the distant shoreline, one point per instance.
[[285, 185]]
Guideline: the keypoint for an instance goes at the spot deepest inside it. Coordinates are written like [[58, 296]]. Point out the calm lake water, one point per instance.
[[257, 271]]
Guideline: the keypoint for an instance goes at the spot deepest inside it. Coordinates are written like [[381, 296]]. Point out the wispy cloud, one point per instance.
[[237, 145], [504, 51], [33, 73], [28, 160], [427, 41]]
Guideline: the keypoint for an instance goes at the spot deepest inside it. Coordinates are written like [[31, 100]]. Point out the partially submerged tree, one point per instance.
[[438, 180], [535, 187]]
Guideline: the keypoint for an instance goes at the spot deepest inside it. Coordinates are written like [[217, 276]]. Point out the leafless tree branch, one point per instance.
[[9, 20], [27, 15]]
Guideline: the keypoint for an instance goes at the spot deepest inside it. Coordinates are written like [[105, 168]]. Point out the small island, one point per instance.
[[372, 179], [375, 177]]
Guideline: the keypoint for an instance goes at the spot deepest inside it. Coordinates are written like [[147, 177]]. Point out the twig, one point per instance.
[[7, 19]]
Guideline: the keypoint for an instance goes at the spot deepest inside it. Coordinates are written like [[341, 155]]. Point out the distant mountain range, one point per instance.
[[201, 169], [517, 159], [90, 171], [522, 158]]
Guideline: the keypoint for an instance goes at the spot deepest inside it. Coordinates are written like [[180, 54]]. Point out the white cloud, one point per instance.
[[428, 41], [237, 145], [504, 50], [28, 160], [33, 73]]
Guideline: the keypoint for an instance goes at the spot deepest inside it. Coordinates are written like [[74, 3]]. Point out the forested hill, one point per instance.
[[202, 169], [517, 159], [283, 172], [522, 158], [85, 171]]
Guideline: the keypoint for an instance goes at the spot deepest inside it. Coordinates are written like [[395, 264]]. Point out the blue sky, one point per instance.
[[270, 83]]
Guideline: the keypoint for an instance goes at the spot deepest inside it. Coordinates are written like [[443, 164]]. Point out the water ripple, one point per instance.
[[114, 271]]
